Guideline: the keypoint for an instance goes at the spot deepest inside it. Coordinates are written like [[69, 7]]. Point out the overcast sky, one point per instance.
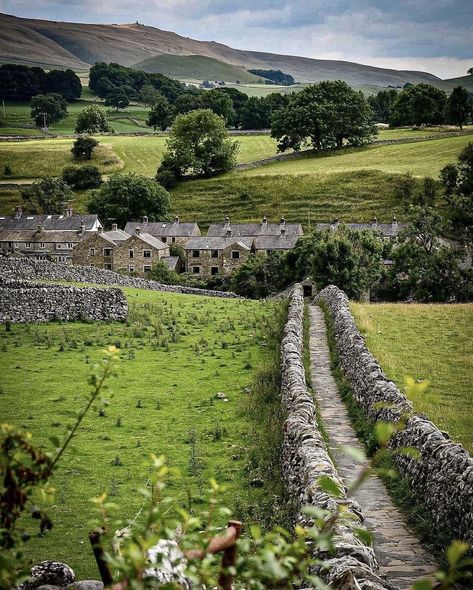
[[430, 35]]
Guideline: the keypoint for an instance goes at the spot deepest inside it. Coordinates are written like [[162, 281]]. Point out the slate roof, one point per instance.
[[279, 242], [254, 229], [34, 236], [218, 243], [49, 222], [151, 241], [117, 235], [389, 230], [165, 229], [171, 261]]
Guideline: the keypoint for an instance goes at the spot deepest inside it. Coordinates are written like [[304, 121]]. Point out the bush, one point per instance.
[[163, 274], [92, 119], [82, 178], [84, 147]]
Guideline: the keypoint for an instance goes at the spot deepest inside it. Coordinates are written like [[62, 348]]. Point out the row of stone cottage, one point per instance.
[[81, 239]]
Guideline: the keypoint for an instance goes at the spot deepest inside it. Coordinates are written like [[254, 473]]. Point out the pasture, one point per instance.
[[176, 353], [432, 342]]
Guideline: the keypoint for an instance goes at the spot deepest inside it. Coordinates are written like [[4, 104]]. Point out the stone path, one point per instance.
[[400, 556]]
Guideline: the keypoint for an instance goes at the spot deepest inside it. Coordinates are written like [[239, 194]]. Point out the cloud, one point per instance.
[[408, 34]]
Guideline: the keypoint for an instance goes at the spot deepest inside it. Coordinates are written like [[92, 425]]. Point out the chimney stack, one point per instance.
[[114, 227], [145, 219], [394, 223], [69, 211], [82, 227], [137, 231], [176, 219], [40, 227], [374, 223], [265, 220], [334, 224], [18, 212], [283, 221]]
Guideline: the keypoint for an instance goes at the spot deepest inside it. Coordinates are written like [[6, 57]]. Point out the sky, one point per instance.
[[430, 35]]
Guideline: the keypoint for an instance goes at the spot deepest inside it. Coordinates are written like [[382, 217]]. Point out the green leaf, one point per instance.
[[383, 432], [329, 485], [365, 536], [455, 551], [356, 453]]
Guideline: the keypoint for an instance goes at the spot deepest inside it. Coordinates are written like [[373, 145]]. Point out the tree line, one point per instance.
[[18, 82], [422, 104]]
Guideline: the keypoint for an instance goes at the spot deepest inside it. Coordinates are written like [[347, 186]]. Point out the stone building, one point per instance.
[[138, 253], [279, 243], [45, 237], [253, 230], [169, 232], [135, 254], [210, 256]]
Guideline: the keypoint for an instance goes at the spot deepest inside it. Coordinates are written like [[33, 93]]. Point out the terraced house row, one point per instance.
[[81, 240]]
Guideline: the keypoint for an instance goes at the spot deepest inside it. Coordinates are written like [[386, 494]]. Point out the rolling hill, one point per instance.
[[77, 46], [195, 67]]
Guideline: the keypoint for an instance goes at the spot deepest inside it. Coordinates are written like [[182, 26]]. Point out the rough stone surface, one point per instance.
[[23, 301], [24, 268], [49, 573], [86, 585], [442, 473], [169, 564], [400, 556], [305, 459]]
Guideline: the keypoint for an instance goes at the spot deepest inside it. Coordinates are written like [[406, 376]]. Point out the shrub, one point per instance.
[[82, 178], [84, 147]]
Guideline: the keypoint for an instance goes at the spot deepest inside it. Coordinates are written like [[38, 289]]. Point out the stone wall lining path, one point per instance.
[[400, 556]]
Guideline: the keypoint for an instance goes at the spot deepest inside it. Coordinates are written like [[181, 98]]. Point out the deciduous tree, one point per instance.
[[460, 106], [92, 119], [160, 115], [48, 108], [84, 147], [47, 196]]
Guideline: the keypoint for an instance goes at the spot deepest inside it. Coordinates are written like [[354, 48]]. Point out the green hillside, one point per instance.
[[195, 67]]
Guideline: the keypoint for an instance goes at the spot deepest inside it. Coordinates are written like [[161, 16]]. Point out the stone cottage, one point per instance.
[[253, 230], [138, 253], [210, 256], [169, 232], [97, 250]]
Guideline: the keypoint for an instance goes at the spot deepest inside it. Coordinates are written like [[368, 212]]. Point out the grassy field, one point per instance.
[[432, 342], [177, 353], [425, 158], [38, 158]]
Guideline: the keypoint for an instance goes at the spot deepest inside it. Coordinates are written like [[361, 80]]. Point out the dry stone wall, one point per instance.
[[442, 473], [29, 269], [22, 301], [305, 459]]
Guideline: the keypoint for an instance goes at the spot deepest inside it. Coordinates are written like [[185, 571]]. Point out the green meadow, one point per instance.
[[427, 342], [176, 353]]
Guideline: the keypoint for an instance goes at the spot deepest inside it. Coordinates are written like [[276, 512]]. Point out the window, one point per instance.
[[107, 251], [196, 270], [42, 245], [59, 246], [131, 269], [28, 244], [235, 254], [214, 253], [91, 251], [173, 240], [107, 266], [146, 253], [131, 253], [70, 244], [214, 270], [195, 253], [147, 268], [164, 240]]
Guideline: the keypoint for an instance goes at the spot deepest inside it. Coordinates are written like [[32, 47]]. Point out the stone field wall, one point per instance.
[[28, 269], [22, 301], [305, 459], [442, 473]]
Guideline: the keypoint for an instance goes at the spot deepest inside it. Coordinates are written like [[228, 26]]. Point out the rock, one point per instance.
[[49, 573], [86, 585], [170, 564], [221, 395]]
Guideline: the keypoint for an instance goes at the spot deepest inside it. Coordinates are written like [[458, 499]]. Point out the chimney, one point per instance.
[[283, 221], [40, 227], [374, 223], [137, 231], [227, 220], [18, 212], [145, 219], [334, 224], [82, 227], [69, 211], [176, 219], [394, 224], [114, 227], [265, 220]]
